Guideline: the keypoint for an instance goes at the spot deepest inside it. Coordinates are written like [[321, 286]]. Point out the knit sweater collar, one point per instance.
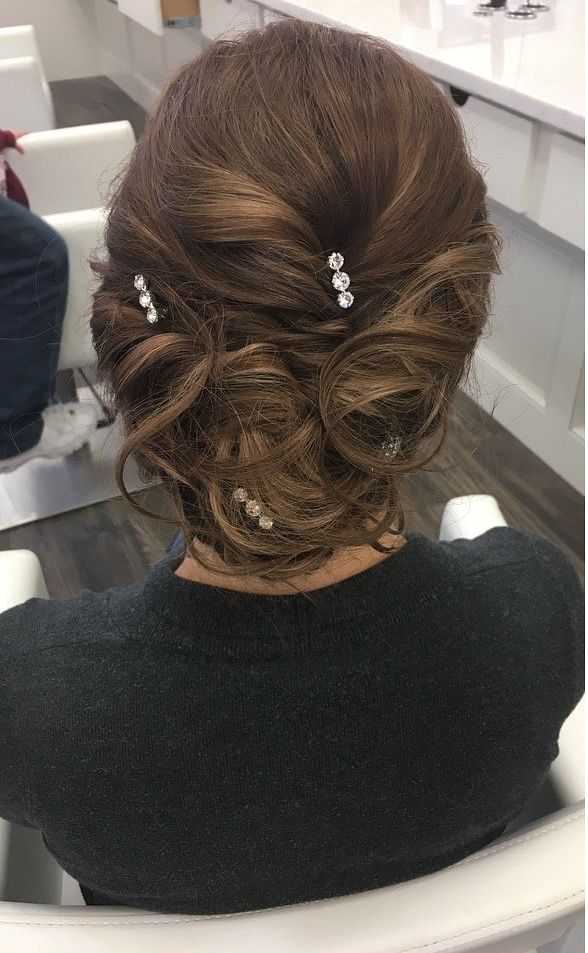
[[223, 621]]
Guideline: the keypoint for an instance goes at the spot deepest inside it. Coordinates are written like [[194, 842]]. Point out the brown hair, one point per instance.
[[264, 155]]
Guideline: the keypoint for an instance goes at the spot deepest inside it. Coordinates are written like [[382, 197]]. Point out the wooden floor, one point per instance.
[[80, 102], [108, 545]]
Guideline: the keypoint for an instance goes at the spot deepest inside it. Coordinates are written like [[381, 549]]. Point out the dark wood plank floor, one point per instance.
[[108, 545], [79, 102]]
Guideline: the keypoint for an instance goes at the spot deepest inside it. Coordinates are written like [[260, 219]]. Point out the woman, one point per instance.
[[305, 702]]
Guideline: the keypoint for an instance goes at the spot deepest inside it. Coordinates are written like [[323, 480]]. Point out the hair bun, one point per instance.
[[258, 379]]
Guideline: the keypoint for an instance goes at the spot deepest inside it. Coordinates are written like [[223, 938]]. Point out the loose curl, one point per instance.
[[263, 156]]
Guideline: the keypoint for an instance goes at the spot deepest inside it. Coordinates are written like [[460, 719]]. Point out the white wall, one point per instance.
[[139, 61], [80, 38], [66, 33]]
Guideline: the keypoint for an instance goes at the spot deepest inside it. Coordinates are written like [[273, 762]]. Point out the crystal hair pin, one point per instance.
[[391, 446], [252, 508], [145, 299], [340, 280]]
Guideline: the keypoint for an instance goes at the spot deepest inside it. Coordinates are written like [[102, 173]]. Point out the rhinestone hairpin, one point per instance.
[[145, 299], [391, 446], [340, 279], [252, 508]]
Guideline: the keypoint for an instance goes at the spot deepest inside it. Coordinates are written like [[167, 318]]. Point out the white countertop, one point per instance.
[[534, 67]]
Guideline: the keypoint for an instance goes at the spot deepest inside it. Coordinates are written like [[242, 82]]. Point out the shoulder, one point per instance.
[[504, 550], [522, 586], [40, 625], [520, 565]]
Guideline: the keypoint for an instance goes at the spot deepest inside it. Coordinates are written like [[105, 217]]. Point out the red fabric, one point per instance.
[[14, 187], [7, 139]]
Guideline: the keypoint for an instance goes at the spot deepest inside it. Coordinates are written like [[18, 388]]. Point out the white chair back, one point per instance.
[[25, 100], [466, 517], [82, 232], [68, 169], [22, 578], [19, 41], [16, 41]]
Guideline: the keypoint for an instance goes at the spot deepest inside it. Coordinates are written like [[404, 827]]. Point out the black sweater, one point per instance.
[[186, 748]]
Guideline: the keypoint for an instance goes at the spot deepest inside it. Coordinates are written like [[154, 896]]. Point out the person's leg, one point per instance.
[[33, 294]]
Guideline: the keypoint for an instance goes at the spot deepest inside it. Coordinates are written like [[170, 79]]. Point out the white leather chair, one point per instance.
[[67, 174], [17, 41], [21, 578], [25, 100], [519, 893], [64, 170], [82, 232]]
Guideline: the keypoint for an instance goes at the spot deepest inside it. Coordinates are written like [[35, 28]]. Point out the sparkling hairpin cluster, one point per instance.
[[391, 446], [340, 280], [145, 299], [252, 508]]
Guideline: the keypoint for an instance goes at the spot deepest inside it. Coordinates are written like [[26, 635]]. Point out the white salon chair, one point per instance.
[[67, 175], [83, 233], [521, 892], [19, 41], [64, 170], [25, 99]]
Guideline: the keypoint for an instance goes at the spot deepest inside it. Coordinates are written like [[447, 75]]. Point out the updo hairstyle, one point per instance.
[[265, 155]]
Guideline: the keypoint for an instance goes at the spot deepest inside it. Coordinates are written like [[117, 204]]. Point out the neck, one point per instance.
[[343, 565]]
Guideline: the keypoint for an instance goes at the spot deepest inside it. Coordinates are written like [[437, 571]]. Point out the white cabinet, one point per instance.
[[152, 14], [145, 12], [557, 187], [529, 368], [502, 143]]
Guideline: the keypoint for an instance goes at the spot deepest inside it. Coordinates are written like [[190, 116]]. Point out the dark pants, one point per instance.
[[33, 295]]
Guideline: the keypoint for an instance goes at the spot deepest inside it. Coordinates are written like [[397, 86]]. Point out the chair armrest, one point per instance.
[[466, 517], [21, 578], [24, 95], [567, 771], [82, 232], [63, 170], [505, 897]]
